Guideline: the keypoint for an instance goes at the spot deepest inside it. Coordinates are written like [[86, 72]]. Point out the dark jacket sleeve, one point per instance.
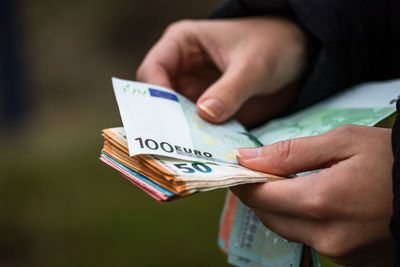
[[395, 223], [357, 41]]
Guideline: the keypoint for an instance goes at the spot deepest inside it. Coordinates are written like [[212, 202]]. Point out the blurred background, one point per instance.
[[59, 205]]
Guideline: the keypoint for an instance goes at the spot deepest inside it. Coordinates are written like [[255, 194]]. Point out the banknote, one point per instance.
[[153, 189], [257, 243], [308, 260], [251, 242], [162, 122], [167, 178], [366, 104]]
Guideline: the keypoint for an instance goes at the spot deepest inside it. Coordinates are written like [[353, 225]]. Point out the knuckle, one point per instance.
[[318, 206], [282, 149], [344, 137], [178, 26], [247, 194], [346, 129], [140, 73], [334, 244], [314, 208], [232, 98], [246, 199]]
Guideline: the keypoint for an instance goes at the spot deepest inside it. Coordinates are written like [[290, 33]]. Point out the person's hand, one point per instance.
[[224, 63], [344, 210]]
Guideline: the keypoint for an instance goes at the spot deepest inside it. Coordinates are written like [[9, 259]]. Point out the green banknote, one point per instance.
[[252, 241], [365, 104]]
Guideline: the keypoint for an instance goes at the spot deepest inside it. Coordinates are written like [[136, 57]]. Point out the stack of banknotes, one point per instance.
[[167, 150], [166, 178]]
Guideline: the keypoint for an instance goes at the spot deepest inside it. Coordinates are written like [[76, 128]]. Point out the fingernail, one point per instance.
[[212, 107], [248, 153], [236, 152]]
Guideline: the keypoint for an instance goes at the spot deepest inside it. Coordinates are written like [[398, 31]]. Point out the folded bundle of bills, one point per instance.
[[167, 150], [166, 178]]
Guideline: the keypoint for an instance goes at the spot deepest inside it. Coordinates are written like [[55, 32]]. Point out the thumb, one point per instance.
[[296, 155], [224, 98]]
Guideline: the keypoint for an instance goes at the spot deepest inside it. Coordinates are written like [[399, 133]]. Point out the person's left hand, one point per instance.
[[249, 68], [344, 210]]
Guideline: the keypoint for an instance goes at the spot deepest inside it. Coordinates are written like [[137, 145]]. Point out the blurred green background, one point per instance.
[[59, 205]]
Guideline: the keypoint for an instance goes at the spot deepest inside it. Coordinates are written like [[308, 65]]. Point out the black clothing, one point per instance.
[[355, 41], [395, 223], [13, 84]]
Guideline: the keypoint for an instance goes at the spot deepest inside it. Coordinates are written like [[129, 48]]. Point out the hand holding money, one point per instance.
[[337, 210], [166, 149], [191, 55], [319, 200], [212, 147]]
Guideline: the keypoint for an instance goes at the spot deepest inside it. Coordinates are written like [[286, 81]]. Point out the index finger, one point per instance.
[[177, 49], [295, 197], [159, 64]]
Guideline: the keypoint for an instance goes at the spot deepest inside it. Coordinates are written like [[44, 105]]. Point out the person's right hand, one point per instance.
[[224, 63]]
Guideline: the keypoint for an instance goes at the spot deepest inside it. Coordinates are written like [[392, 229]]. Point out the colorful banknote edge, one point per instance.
[[226, 221], [154, 190]]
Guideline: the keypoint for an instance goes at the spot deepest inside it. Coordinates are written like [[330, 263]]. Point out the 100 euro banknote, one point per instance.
[[162, 122]]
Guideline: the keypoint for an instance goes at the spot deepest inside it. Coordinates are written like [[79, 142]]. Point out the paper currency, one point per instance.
[[161, 122], [170, 152], [249, 243], [166, 178], [167, 150], [366, 104]]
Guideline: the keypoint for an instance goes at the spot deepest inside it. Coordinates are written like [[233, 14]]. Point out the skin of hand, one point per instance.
[[225, 64], [344, 210]]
